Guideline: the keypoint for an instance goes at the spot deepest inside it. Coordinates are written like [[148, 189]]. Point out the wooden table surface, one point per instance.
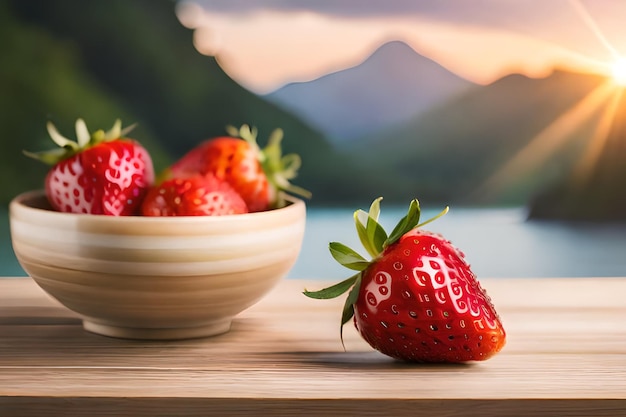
[[565, 356]]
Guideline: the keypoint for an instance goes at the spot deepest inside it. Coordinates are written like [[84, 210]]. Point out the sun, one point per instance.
[[618, 71]]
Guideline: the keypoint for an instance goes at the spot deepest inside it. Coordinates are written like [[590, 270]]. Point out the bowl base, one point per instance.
[[213, 328]]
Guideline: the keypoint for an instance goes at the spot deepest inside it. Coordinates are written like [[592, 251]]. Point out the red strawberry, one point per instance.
[[197, 195], [417, 299], [258, 175], [101, 173]]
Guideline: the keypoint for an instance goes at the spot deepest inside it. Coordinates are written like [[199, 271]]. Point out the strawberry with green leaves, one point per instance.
[[258, 175], [195, 195], [100, 173], [417, 298]]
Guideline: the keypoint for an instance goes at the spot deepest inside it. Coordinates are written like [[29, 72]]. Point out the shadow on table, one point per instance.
[[360, 360]]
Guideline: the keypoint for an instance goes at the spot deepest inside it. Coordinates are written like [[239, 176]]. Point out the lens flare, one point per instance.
[[618, 71]]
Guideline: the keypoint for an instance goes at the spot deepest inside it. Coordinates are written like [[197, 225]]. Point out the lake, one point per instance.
[[497, 242]]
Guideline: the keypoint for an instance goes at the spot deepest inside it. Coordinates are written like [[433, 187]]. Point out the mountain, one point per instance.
[[599, 193], [392, 85], [449, 153]]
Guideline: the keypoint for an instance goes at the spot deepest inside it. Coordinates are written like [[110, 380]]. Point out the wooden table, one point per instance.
[[565, 356]]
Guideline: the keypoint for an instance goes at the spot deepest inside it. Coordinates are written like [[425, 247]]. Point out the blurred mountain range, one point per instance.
[[449, 153], [391, 86]]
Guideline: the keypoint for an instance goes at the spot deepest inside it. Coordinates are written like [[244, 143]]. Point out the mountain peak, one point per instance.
[[390, 86], [400, 53], [392, 49]]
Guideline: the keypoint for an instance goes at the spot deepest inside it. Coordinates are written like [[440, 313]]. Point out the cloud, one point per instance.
[[495, 13], [522, 16], [478, 39]]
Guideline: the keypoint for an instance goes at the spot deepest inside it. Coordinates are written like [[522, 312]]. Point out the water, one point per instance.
[[498, 243], [9, 267]]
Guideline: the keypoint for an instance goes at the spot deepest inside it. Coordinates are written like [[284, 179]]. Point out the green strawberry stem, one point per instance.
[[374, 239], [68, 148], [278, 168]]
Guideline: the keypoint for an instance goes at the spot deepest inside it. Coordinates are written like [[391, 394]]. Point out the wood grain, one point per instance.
[[565, 356]]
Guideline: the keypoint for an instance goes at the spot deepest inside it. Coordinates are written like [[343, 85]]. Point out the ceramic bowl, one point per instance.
[[155, 277]]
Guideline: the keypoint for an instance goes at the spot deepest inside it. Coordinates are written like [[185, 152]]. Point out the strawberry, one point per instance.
[[417, 299], [196, 195], [258, 175], [101, 173]]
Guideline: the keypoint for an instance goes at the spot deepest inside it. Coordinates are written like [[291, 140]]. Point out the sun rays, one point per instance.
[[591, 24], [596, 145], [617, 67], [551, 140]]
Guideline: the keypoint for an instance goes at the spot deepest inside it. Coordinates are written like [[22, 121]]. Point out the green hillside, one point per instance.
[[102, 59], [598, 194], [41, 79], [446, 153]]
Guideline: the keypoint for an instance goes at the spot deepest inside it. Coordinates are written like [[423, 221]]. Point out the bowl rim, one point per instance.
[[20, 202]]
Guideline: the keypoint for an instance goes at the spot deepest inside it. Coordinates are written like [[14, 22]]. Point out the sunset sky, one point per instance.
[[264, 44]]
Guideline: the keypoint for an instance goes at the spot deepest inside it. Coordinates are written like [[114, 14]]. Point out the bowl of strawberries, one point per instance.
[[175, 258]]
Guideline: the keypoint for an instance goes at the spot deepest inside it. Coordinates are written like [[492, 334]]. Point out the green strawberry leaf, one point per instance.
[[371, 233], [348, 310], [375, 232], [332, 291], [374, 212], [248, 134], [406, 224], [348, 307], [272, 153], [281, 168], [278, 168], [290, 164], [362, 231], [67, 148], [232, 131], [122, 133], [443, 212], [50, 157], [347, 257], [377, 236], [59, 139], [115, 131], [82, 133]]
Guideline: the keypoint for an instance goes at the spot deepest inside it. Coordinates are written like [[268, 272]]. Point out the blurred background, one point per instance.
[[512, 115]]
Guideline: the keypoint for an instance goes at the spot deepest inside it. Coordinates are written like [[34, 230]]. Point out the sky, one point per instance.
[[265, 44]]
